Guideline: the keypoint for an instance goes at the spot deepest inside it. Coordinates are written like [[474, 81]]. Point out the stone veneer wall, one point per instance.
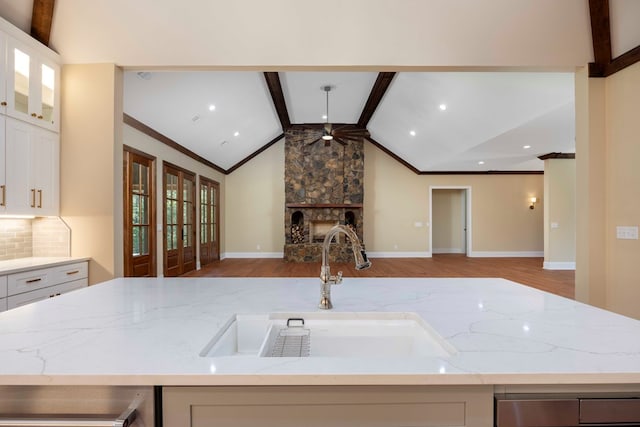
[[321, 182]]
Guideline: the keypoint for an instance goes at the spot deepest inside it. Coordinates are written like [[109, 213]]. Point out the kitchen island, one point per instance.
[[507, 338]]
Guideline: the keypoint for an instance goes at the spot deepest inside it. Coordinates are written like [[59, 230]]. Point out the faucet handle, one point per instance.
[[338, 278]]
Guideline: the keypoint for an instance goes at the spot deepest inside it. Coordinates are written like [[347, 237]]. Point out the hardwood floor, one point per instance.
[[527, 271]]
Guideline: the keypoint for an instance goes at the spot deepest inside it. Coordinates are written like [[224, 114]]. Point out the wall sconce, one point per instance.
[[533, 201]]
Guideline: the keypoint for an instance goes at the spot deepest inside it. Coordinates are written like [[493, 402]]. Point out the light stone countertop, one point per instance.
[[18, 265], [151, 331]]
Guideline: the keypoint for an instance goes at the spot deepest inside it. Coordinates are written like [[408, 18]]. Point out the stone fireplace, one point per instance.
[[323, 187]]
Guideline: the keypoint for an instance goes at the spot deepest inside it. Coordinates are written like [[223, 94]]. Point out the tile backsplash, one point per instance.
[[16, 238], [20, 238], [51, 237]]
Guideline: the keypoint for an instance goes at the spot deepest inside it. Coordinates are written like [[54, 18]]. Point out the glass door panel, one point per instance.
[[48, 93], [139, 216], [21, 71]]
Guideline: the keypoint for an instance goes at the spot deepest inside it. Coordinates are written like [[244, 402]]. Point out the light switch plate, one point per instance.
[[627, 232]]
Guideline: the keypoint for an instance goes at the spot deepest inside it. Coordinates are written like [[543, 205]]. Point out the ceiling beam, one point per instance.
[[41, 18], [277, 95], [377, 92], [604, 64]]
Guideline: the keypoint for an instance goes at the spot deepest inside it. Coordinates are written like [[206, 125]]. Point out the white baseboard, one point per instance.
[[252, 255], [399, 254], [523, 254], [559, 265], [447, 251]]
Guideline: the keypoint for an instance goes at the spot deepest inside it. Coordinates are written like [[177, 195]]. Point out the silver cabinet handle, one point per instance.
[[124, 420]]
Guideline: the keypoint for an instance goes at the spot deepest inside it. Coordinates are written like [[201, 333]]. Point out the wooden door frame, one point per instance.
[[467, 195], [216, 184], [128, 249], [192, 176]]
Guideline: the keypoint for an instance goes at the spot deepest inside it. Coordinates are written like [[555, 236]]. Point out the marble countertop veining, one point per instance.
[[17, 265], [151, 331]]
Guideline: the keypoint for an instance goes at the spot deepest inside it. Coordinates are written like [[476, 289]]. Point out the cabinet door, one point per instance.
[[32, 169], [3, 160], [32, 86], [45, 171], [20, 197], [3, 73]]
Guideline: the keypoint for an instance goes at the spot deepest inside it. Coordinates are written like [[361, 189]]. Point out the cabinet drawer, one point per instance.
[[69, 272], [3, 304], [3, 286], [29, 281], [41, 294]]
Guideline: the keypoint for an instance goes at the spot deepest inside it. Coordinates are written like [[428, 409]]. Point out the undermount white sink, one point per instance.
[[357, 335]]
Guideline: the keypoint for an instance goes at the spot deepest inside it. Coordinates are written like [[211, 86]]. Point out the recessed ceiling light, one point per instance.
[[236, 133], [526, 147], [212, 107], [443, 107], [412, 133], [481, 162], [324, 117]]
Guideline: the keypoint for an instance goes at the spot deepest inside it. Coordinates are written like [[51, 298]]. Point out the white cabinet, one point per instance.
[[319, 406], [38, 284], [32, 82], [3, 293], [29, 125], [31, 164]]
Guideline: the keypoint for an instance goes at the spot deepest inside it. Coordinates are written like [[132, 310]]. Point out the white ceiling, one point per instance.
[[490, 115]]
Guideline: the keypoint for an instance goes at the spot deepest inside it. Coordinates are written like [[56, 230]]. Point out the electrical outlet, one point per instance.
[[627, 232], [258, 247]]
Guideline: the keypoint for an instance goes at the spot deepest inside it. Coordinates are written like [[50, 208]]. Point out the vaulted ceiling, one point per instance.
[[474, 87]]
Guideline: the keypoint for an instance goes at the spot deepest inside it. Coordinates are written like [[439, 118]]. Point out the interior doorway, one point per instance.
[[450, 216]]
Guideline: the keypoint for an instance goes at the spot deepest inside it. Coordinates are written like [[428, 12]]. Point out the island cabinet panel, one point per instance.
[[321, 406]]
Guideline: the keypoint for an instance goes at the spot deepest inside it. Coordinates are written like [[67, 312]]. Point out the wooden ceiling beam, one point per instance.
[[41, 18], [377, 92], [604, 64], [277, 95]]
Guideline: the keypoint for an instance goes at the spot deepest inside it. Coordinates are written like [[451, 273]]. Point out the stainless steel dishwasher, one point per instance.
[[566, 411], [76, 406]]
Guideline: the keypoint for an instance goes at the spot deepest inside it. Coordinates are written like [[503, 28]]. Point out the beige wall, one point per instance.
[[607, 153], [448, 221], [396, 199], [622, 189], [559, 214], [162, 152], [88, 137], [590, 281], [254, 207]]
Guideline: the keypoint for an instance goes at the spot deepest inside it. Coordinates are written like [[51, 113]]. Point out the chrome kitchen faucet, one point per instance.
[[325, 273]]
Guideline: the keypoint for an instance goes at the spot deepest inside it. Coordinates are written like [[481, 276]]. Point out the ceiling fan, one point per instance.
[[340, 134]]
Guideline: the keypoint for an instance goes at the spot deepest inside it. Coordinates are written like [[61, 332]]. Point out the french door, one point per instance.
[[209, 221], [179, 220], [139, 214]]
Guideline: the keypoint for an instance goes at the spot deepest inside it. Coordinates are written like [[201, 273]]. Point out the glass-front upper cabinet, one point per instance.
[[32, 86]]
